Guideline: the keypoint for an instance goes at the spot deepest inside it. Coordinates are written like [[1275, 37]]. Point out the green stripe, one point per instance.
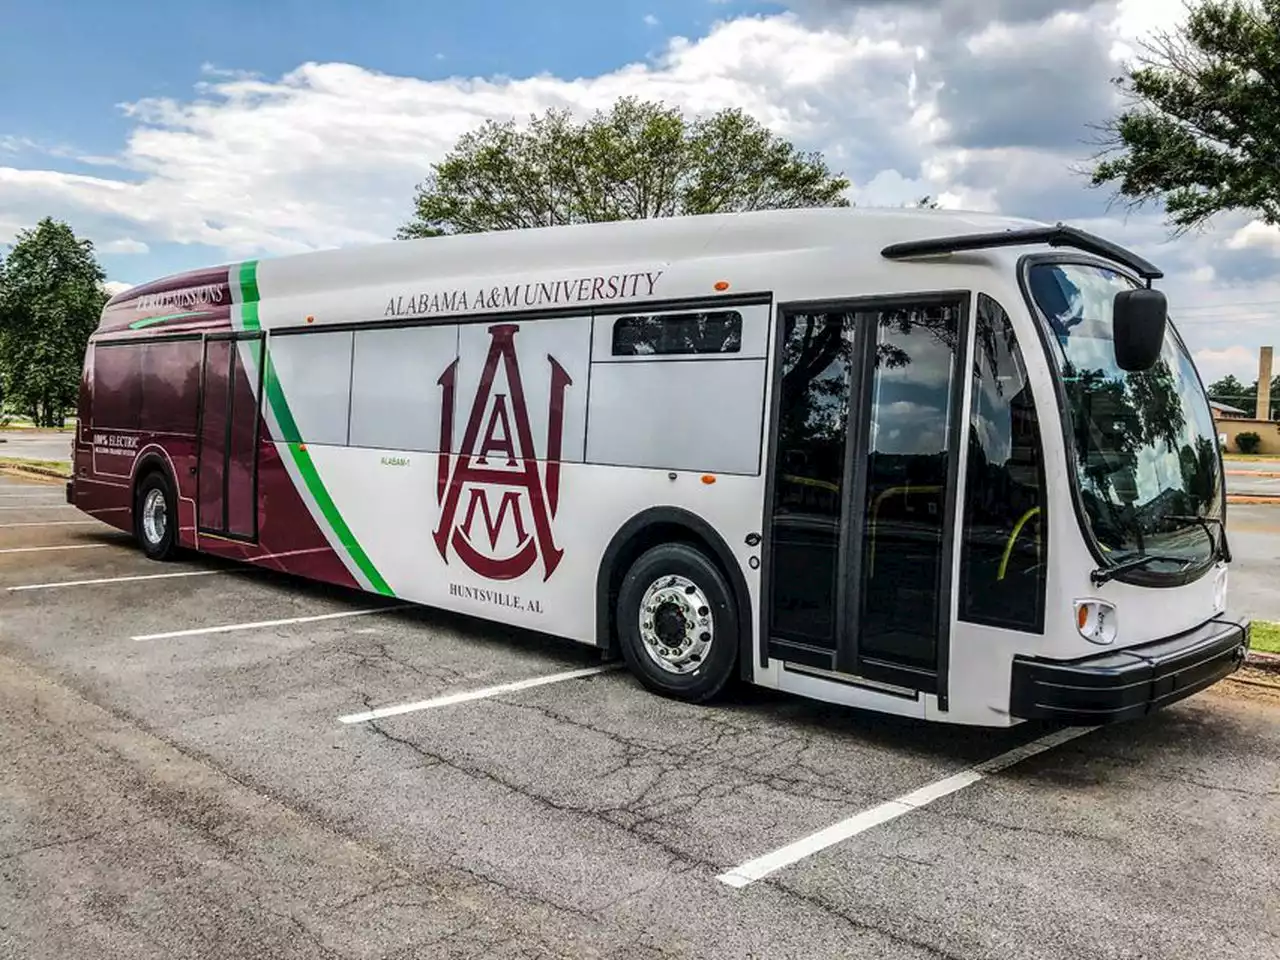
[[249, 287], [248, 277], [150, 321]]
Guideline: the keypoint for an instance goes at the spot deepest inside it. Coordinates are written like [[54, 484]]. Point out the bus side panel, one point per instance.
[[289, 539]]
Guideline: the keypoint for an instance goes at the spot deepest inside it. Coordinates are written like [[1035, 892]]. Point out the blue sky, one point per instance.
[[107, 54], [178, 135], [104, 54]]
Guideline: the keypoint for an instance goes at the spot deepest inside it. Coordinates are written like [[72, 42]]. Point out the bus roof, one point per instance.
[[204, 296]]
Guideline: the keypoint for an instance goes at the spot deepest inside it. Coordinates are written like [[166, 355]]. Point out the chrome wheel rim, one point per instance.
[[677, 626], [155, 516]]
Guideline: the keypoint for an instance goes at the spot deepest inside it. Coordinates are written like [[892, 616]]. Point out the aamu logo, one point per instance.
[[493, 493]]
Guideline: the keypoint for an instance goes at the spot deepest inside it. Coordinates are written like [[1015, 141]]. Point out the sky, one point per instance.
[[179, 135]]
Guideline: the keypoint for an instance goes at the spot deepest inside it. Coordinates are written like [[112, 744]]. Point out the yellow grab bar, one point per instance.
[[1008, 547]]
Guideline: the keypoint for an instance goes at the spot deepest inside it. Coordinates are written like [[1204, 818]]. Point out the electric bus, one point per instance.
[[944, 465]]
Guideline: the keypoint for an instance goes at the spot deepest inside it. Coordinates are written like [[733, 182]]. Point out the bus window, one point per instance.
[[1002, 561], [908, 469], [117, 394], [677, 333]]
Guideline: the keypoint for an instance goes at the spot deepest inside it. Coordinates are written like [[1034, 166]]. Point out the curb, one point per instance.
[[23, 470], [1269, 662]]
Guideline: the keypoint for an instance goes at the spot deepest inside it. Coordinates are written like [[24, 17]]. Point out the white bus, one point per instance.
[[950, 466]]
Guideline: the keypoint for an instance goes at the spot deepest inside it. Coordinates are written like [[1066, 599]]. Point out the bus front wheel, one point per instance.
[[677, 623], [155, 517]]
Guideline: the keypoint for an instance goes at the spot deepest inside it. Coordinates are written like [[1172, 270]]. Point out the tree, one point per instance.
[[1228, 390], [1232, 392], [50, 299], [1201, 133], [639, 160]]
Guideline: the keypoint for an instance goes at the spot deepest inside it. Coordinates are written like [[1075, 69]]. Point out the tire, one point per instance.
[[691, 600], [157, 544]]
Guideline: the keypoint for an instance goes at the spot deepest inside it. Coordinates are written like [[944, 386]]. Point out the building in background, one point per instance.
[[1232, 421]]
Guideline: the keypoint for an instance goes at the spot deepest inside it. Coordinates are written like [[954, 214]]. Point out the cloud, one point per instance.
[[330, 153], [125, 245], [114, 287], [1216, 364], [650, 20]]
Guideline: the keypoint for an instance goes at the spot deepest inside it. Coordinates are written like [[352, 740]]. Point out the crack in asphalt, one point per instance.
[[72, 841], [1058, 832], [861, 925]]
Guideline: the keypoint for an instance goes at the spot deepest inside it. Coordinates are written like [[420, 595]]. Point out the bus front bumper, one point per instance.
[[1128, 683]]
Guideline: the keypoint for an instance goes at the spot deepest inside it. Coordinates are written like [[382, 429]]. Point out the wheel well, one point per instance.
[[650, 529], [145, 469]]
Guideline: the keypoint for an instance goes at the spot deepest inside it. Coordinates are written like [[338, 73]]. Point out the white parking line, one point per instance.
[[25, 496], [452, 698], [38, 506], [73, 546], [228, 628], [753, 870], [145, 576], [46, 523]]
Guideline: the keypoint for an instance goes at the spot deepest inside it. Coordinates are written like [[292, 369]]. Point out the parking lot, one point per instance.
[[190, 768]]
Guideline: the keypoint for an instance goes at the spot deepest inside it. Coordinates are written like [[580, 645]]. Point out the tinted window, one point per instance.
[[1144, 442], [904, 511], [813, 422], [170, 386], [1002, 564], [117, 385], [676, 333]]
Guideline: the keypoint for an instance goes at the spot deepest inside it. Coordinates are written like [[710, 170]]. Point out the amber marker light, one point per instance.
[[722, 286], [708, 478], [311, 319]]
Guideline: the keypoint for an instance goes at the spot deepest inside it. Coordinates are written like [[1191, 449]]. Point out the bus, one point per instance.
[[950, 466]]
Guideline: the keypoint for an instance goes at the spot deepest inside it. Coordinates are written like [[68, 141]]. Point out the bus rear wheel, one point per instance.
[[155, 517], [677, 623]]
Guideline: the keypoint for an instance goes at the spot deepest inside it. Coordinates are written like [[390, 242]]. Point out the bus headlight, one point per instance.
[[1096, 621]]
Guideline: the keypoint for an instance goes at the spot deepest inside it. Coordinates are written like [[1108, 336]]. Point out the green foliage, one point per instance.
[[639, 160], [1202, 131], [1231, 391], [1248, 442], [50, 299]]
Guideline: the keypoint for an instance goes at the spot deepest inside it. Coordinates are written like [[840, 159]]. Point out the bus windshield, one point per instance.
[[1148, 472]]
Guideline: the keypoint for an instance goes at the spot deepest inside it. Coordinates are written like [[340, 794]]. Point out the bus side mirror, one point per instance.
[[1138, 319]]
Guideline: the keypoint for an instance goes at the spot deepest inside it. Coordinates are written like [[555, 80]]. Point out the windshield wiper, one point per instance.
[[1223, 548], [1103, 574]]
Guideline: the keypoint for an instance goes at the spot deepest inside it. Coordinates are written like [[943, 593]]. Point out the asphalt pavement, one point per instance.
[[1253, 478], [177, 780], [37, 444]]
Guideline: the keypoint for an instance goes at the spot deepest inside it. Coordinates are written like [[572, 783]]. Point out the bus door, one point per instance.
[[228, 466], [863, 479]]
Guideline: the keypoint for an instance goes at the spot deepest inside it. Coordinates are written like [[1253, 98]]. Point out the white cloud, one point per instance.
[[1256, 234], [116, 286], [329, 154], [1216, 364], [650, 20], [125, 245]]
